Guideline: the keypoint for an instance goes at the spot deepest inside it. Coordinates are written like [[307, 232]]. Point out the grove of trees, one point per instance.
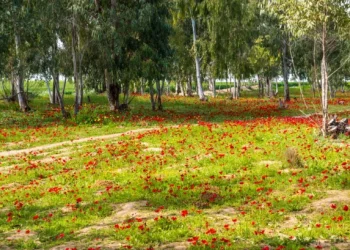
[[124, 46]]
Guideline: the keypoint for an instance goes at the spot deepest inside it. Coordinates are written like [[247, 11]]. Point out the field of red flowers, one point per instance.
[[218, 175]]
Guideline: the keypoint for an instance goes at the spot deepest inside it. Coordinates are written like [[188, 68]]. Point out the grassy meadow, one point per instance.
[[222, 174]]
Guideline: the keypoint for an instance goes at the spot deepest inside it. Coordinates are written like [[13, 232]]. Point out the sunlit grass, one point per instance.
[[221, 178]]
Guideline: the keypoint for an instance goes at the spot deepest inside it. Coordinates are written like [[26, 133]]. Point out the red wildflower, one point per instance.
[[211, 231], [184, 213], [60, 236], [345, 208]]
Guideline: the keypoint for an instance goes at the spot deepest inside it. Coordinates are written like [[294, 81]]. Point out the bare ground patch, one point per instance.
[[174, 246], [22, 235], [270, 163], [327, 245], [303, 217], [39, 149], [334, 196], [122, 212]]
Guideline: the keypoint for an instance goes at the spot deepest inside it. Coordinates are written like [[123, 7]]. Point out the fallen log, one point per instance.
[[336, 128]]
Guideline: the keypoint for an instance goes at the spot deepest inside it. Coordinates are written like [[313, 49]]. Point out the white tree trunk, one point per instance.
[[285, 68], [197, 60], [75, 68], [324, 82], [49, 90], [19, 82]]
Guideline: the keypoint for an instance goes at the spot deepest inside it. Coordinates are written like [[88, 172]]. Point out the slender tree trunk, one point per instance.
[[126, 92], [197, 60], [276, 92], [112, 92], [81, 83], [259, 87], [167, 87], [54, 99], [268, 87], [182, 88], [314, 82], [142, 90], [285, 68], [13, 97], [49, 90], [212, 86], [159, 95], [234, 93], [64, 86], [134, 91], [55, 76], [178, 87], [324, 82], [238, 87], [151, 93], [19, 83], [189, 86], [56, 80], [75, 68]]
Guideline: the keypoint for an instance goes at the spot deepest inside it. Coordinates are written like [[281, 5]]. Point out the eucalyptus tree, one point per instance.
[[231, 31], [115, 31], [265, 63], [5, 53], [323, 16], [17, 16], [52, 26], [191, 9], [155, 48], [182, 67]]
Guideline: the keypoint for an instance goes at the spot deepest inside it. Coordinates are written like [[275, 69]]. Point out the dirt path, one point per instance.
[[72, 142]]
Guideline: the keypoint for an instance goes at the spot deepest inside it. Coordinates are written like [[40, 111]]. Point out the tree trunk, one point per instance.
[[81, 85], [142, 86], [212, 86], [75, 67], [151, 93], [285, 69], [189, 86], [167, 87], [276, 92], [197, 60], [13, 97], [267, 86], [182, 88], [314, 82], [261, 87], [19, 82], [56, 79], [64, 86], [112, 92], [159, 95], [234, 92], [49, 90], [324, 82], [54, 99], [178, 87], [238, 88]]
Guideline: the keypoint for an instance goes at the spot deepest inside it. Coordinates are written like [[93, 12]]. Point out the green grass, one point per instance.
[[220, 179]]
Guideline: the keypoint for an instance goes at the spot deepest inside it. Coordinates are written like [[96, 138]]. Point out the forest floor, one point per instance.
[[223, 174]]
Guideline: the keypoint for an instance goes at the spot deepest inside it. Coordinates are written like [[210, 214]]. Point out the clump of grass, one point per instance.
[[293, 157]]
